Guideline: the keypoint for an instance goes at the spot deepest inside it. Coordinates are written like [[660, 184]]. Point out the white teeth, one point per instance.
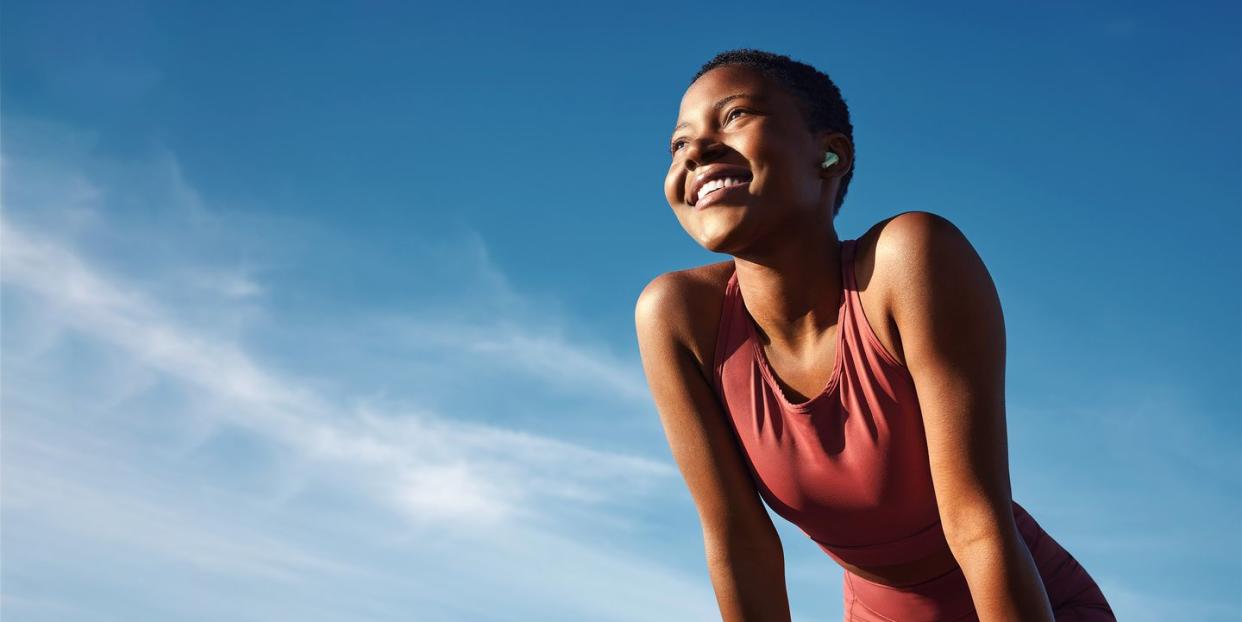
[[717, 184]]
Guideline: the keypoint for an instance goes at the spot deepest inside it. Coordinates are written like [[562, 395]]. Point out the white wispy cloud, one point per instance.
[[120, 393], [436, 468]]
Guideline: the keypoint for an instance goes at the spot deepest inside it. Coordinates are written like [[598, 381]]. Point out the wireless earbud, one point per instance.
[[830, 158]]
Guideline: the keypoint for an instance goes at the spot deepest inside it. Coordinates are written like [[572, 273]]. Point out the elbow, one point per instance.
[[760, 545], [981, 533], [748, 575]]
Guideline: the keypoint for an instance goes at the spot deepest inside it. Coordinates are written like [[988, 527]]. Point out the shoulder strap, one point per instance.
[[847, 265], [724, 330]]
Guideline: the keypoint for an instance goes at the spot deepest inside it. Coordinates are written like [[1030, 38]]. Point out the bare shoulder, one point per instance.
[[896, 260], [908, 236], [686, 304]]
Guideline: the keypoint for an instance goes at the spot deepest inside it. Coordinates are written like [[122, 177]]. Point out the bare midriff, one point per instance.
[[910, 573]]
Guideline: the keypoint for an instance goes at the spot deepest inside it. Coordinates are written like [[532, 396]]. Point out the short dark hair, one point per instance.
[[822, 104]]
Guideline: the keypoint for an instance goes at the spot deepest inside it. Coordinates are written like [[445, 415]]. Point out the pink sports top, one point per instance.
[[849, 467]]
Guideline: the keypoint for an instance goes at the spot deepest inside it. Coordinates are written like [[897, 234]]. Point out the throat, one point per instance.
[[802, 378]]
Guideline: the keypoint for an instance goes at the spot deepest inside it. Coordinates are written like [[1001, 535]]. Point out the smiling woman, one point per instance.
[[880, 433]]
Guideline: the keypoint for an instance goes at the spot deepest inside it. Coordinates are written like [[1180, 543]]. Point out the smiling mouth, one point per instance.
[[721, 193], [731, 178]]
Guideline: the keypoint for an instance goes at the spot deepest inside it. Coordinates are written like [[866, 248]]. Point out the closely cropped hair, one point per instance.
[[822, 104]]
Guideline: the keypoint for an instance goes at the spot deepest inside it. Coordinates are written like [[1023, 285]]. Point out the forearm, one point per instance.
[[749, 583], [1004, 583]]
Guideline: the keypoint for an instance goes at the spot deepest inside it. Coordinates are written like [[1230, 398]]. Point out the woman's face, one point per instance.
[[736, 123]]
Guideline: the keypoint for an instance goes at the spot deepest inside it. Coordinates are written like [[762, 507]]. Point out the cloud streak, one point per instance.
[[145, 434], [439, 469]]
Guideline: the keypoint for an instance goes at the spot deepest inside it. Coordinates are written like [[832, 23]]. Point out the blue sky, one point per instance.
[[324, 311]]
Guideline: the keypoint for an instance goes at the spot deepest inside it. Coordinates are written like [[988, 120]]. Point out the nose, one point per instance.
[[701, 150]]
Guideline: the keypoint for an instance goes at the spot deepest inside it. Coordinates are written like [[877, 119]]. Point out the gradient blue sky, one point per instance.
[[324, 311]]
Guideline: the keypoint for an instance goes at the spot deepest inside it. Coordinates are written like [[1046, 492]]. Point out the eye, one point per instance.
[[728, 117]]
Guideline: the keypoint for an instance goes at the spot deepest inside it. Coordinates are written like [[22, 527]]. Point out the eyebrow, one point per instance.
[[720, 104]]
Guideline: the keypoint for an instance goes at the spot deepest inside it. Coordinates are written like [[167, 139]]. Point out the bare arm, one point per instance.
[[952, 332], [744, 555]]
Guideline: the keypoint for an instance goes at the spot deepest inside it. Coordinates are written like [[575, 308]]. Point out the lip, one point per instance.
[[715, 171], [721, 195]]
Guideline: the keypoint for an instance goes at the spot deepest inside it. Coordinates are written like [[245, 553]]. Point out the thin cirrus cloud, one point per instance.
[[142, 433], [444, 469]]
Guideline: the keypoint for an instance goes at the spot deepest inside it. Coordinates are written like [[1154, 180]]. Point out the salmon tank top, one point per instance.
[[849, 467]]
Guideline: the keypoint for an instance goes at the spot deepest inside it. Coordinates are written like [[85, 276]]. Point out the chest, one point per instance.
[[849, 466]]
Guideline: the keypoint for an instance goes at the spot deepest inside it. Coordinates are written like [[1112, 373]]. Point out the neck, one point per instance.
[[793, 288]]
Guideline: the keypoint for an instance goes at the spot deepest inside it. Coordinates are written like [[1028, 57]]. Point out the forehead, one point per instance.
[[725, 81]]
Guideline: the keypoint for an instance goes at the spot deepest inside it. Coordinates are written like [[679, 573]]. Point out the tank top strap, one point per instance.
[[726, 330], [862, 334], [847, 266], [851, 315]]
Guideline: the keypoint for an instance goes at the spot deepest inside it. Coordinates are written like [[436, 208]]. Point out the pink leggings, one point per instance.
[[1073, 593]]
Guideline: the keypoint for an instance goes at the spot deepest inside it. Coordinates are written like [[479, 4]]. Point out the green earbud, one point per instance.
[[830, 158]]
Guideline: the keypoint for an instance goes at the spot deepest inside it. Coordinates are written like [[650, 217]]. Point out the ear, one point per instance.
[[837, 143]]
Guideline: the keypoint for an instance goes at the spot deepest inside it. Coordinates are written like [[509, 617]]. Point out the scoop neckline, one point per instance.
[[765, 367]]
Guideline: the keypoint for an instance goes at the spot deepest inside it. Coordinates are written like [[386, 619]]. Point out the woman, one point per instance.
[[881, 434]]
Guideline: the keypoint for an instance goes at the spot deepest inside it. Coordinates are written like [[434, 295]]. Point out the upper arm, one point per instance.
[[703, 446], [952, 332]]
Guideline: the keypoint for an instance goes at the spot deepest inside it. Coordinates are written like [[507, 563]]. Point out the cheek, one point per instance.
[[781, 169], [672, 187]]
